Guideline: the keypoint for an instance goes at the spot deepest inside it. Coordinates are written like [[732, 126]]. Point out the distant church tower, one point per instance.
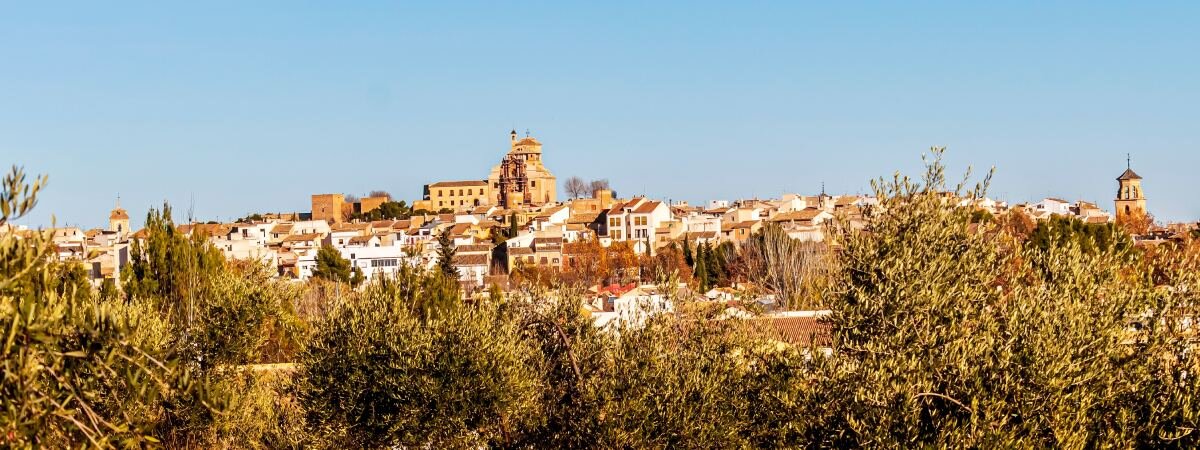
[[118, 220], [1130, 198]]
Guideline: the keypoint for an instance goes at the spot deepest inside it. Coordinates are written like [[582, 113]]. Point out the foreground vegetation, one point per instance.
[[948, 330]]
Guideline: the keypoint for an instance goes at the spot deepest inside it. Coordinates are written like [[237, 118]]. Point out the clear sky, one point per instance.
[[233, 107]]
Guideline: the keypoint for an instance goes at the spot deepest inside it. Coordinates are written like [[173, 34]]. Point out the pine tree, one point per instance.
[[331, 265], [701, 270], [713, 264], [446, 251], [512, 226], [687, 253]]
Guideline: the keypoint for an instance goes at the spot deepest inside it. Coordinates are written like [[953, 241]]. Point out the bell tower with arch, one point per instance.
[[1130, 198]]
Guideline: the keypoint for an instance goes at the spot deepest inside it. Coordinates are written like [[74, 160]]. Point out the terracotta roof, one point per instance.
[[471, 260], [282, 228], [474, 248], [351, 226], [806, 214], [527, 141], [302, 237], [520, 251], [464, 183], [1129, 174], [547, 240], [382, 224], [583, 218], [746, 224], [800, 331], [118, 213], [206, 229], [647, 207], [460, 228], [361, 239]]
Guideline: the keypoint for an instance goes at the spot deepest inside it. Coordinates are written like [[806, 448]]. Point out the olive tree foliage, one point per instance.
[[953, 335], [76, 371], [405, 364], [218, 318]]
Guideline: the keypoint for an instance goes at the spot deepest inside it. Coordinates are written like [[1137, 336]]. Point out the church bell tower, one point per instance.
[[1130, 198]]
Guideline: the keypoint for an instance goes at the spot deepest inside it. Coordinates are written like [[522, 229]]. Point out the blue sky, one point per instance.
[[233, 107]]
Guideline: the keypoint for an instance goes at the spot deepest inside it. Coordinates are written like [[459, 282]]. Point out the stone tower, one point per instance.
[[118, 219], [1130, 198]]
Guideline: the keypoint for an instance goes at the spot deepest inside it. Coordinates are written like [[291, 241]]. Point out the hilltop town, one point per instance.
[[513, 222]]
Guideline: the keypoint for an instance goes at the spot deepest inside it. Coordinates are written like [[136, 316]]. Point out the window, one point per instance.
[[439, 203], [614, 221], [352, 256], [460, 192], [533, 184], [386, 262], [639, 221], [470, 192]]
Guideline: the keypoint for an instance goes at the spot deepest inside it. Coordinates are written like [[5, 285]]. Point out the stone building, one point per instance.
[[455, 195], [520, 179], [1130, 198], [118, 220], [329, 207]]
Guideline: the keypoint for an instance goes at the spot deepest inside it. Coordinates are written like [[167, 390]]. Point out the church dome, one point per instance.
[[527, 141]]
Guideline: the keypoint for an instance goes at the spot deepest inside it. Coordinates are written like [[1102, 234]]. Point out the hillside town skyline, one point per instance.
[[520, 214], [552, 185]]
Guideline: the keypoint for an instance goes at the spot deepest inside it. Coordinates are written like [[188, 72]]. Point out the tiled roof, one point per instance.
[[117, 214], [800, 331], [746, 224], [474, 248], [647, 207], [361, 239], [520, 251], [527, 141], [583, 218], [1129, 174], [460, 229], [302, 237], [471, 260], [464, 183], [806, 214], [351, 226], [547, 241]]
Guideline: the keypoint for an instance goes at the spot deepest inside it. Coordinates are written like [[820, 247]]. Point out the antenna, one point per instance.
[[1129, 161]]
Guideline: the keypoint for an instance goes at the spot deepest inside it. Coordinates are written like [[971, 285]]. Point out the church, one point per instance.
[[1131, 201], [518, 181]]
